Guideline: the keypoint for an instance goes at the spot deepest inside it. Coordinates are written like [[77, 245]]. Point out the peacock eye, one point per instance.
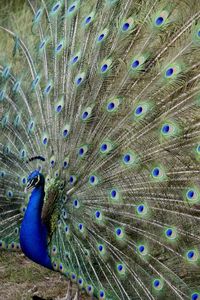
[[35, 181]]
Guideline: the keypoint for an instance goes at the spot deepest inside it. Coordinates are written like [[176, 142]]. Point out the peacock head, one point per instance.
[[35, 179]]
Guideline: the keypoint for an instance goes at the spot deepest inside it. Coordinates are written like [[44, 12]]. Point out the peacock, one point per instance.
[[100, 143]]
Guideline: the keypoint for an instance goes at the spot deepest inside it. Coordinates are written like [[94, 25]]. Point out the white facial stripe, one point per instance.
[[38, 179]]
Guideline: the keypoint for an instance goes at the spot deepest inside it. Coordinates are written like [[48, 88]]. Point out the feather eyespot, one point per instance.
[[88, 20], [72, 8], [159, 21], [195, 296], [158, 284], [192, 255], [170, 233], [142, 249]]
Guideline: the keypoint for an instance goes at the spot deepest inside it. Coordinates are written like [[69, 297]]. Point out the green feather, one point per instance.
[[107, 92]]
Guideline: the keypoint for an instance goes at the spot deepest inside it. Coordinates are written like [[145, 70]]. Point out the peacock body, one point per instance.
[[100, 106]]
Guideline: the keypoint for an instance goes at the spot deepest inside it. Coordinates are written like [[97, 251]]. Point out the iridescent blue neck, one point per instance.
[[33, 233]]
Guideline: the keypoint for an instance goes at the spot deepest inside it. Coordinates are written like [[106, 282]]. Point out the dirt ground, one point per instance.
[[21, 279]]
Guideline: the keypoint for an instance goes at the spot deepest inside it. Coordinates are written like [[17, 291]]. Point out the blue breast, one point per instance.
[[33, 233]]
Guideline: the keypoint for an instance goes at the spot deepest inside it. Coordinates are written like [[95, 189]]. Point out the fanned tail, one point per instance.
[[108, 93]]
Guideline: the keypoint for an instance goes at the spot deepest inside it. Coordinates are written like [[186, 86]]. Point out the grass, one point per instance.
[[21, 279]]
